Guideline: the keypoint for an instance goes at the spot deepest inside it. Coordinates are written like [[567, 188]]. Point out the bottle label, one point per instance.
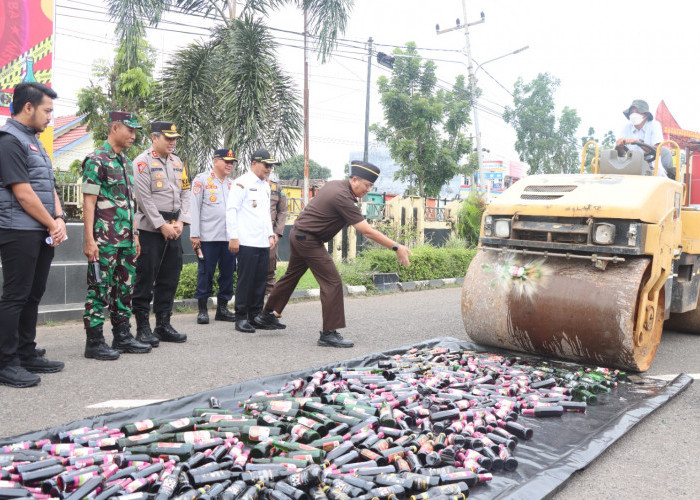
[[259, 433], [181, 422], [218, 417], [299, 430], [171, 446], [281, 406], [196, 436], [136, 437], [144, 425]]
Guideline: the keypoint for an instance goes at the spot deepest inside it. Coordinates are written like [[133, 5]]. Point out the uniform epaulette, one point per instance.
[[240, 185]]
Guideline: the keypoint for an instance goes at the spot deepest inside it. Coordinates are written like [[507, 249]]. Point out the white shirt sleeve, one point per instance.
[[233, 205]]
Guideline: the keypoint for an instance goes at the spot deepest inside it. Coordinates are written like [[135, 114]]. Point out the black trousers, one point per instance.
[[253, 263], [157, 272], [26, 261]]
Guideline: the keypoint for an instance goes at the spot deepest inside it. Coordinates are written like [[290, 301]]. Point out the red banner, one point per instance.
[[26, 45]]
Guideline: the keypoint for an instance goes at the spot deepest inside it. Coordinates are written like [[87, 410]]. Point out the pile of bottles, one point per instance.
[[428, 423]]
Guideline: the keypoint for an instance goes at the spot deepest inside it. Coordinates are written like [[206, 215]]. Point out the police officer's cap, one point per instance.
[[264, 156], [128, 119], [168, 129], [364, 170], [224, 154]]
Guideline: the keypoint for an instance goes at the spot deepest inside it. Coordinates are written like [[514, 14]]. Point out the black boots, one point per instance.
[[332, 338], [96, 347], [222, 312], [165, 332], [124, 342], [144, 334], [203, 314]]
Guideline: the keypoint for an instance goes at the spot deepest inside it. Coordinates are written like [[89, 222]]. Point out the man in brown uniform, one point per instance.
[[327, 213], [278, 213]]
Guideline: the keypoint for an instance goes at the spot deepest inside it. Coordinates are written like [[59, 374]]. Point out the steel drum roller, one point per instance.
[[574, 311]]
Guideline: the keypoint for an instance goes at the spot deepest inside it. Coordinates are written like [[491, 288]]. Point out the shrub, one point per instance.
[[427, 263], [469, 218], [188, 282]]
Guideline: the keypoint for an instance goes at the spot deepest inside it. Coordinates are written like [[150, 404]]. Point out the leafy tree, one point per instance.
[[116, 87], [425, 122], [548, 145], [293, 168], [608, 142], [230, 90]]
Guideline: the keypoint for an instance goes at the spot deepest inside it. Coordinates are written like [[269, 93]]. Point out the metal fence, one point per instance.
[[295, 205], [435, 214], [375, 211], [70, 193]]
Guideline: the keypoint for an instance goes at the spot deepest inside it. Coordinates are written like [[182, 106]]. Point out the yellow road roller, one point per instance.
[[587, 267]]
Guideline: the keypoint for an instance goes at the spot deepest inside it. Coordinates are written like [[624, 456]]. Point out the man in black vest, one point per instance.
[[32, 224]]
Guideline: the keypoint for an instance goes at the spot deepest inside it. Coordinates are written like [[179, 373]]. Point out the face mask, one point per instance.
[[636, 119]]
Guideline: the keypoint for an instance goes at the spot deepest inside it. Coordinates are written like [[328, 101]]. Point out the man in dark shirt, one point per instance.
[[328, 212], [32, 223]]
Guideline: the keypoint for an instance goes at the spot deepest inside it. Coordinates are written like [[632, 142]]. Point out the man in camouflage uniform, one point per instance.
[[161, 188], [111, 241], [278, 213]]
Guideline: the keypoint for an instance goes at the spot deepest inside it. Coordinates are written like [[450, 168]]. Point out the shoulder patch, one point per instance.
[[141, 166], [33, 148]]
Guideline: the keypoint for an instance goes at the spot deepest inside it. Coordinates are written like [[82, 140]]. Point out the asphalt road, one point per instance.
[[656, 459]]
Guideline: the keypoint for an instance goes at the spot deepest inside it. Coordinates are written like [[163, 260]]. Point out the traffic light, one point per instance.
[[385, 60]]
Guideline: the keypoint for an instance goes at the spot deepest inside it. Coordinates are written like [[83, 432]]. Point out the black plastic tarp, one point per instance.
[[560, 446]]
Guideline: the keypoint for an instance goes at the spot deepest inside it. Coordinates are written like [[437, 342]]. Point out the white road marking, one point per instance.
[[125, 403], [694, 376]]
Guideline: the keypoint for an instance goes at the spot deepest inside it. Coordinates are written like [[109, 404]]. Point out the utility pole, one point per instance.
[[472, 81], [411, 156], [306, 115], [369, 76]]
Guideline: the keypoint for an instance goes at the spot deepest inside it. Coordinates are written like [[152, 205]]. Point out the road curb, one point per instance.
[[181, 305]]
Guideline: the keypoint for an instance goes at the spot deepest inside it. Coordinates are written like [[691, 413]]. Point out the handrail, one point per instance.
[[676, 157], [594, 163]]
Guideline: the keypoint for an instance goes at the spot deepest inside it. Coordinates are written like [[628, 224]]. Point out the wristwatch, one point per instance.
[[136, 232], [395, 248], [62, 216]]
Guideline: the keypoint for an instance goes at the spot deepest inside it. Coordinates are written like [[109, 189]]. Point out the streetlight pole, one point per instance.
[[369, 76]]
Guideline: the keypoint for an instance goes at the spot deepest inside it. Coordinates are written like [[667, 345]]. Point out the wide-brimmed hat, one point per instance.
[[168, 129], [364, 170], [642, 109]]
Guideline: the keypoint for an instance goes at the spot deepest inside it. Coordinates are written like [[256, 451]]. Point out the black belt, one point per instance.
[[170, 215]]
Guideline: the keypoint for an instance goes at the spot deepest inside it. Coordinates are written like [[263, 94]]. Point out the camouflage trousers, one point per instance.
[[114, 291]]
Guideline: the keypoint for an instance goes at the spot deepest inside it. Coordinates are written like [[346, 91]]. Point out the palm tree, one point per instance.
[[230, 90]]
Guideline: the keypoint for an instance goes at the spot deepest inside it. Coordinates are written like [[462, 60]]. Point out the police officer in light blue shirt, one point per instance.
[[210, 190], [250, 234]]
